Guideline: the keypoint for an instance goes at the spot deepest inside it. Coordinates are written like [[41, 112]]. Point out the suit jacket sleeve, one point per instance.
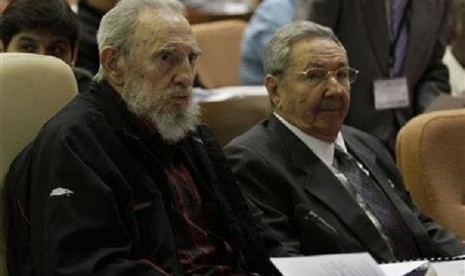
[[435, 79]]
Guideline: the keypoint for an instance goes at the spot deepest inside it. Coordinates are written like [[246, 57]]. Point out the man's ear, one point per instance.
[[271, 83], [112, 63]]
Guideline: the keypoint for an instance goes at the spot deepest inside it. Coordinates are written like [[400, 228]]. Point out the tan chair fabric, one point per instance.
[[32, 89], [230, 118], [220, 43], [431, 156]]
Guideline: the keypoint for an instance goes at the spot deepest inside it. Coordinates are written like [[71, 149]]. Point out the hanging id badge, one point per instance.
[[391, 93]]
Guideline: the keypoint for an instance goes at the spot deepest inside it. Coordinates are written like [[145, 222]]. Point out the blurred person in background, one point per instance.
[[266, 19], [90, 13], [46, 27], [398, 47]]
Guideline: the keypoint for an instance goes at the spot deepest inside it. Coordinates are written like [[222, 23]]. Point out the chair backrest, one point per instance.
[[430, 153], [220, 43], [230, 118], [32, 89]]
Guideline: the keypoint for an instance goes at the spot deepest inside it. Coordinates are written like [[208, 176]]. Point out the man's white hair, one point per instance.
[[119, 24]]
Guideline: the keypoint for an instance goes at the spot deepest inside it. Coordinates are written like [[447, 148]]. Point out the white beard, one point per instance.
[[173, 125]]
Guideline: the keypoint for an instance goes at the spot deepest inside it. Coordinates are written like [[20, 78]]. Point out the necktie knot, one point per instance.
[[339, 152], [341, 157]]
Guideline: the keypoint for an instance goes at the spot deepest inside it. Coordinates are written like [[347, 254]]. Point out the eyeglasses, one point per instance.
[[316, 76]]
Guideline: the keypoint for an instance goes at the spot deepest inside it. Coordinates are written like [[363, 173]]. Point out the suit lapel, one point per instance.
[[321, 183], [368, 159]]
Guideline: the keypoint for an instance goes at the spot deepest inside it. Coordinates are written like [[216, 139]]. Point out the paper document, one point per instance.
[[450, 268], [402, 268], [360, 264]]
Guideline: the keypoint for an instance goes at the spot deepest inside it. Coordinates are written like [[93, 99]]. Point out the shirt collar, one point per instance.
[[323, 150]]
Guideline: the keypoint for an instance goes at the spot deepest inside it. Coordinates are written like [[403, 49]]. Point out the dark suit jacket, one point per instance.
[[309, 211], [362, 27]]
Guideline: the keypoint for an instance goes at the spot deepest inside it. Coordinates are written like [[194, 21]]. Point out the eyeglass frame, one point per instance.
[[332, 73]]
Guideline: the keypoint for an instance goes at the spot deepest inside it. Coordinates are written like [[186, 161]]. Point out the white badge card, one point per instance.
[[391, 93]]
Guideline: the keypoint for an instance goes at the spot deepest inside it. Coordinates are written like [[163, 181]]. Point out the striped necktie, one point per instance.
[[392, 223], [399, 34]]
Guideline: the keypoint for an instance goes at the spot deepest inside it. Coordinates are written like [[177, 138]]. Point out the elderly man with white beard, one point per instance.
[[124, 180]]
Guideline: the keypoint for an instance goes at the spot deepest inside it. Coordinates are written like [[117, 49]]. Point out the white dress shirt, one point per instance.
[[456, 73]]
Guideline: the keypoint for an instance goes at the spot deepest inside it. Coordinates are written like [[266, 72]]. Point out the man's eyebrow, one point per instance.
[[169, 48], [313, 63], [166, 48], [27, 38], [161, 51], [316, 64]]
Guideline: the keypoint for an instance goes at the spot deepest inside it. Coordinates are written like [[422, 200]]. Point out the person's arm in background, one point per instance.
[[267, 18], [435, 79]]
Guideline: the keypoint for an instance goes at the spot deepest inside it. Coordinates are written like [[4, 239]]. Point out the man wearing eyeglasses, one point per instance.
[[323, 187]]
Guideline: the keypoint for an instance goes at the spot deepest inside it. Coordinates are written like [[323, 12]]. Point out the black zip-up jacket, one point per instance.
[[87, 197]]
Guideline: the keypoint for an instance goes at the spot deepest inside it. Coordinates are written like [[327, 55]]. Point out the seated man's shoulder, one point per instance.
[[250, 137], [77, 119], [258, 143], [371, 142], [359, 134]]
